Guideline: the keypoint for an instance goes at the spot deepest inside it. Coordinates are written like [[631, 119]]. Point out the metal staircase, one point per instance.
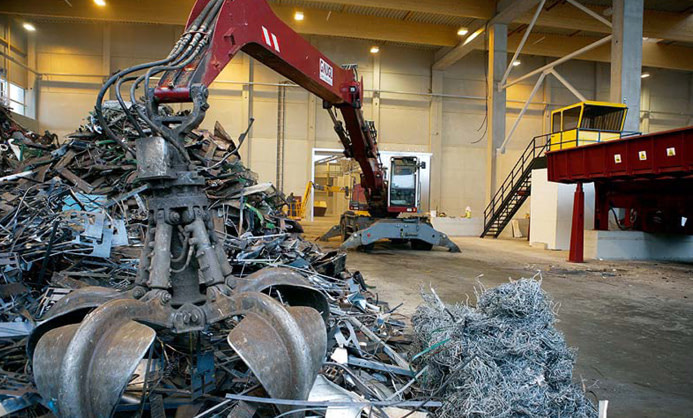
[[516, 188]]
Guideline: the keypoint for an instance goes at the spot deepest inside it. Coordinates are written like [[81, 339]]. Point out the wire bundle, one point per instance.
[[502, 358]]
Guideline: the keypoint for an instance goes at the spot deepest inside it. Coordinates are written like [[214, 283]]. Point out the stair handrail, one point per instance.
[[500, 200], [509, 184]]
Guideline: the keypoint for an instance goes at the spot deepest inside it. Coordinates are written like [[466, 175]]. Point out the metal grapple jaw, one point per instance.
[[86, 351], [82, 369]]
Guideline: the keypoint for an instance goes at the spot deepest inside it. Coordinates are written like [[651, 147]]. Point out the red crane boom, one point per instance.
[[252, 27]]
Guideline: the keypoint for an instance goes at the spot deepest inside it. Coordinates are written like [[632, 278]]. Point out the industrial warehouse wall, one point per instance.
[[11, 30], [405, 121]]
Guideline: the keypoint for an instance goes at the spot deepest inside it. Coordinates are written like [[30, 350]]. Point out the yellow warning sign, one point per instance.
[[671, 152], [617, 158], [643, 155]]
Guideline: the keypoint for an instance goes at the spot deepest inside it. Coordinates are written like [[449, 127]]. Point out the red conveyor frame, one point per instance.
[[651, 176]]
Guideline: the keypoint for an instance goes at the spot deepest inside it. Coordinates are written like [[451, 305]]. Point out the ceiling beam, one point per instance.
[[162, 12], [352, 26], [656, 24], [511, 10], [448, 56], [347, 25], [316, 22], [653, 55], [150, 11], [478, 9], [508, 11]]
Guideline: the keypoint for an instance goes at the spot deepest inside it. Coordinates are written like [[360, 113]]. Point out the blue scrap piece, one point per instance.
[[87, 202]]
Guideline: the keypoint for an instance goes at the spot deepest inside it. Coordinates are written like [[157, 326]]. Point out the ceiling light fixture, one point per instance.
[[644, 75], [298, 16], [473, 36], [100, 3], [375, 49], [516, 63], [462, 31], [29, 27]]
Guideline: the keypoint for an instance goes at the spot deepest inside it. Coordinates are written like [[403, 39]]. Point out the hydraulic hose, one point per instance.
[[180, 45]]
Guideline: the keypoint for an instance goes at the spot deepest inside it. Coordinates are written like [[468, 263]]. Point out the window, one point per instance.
[[603, 118], [571, 118], [403, 182], [556, 123], [14, 96]]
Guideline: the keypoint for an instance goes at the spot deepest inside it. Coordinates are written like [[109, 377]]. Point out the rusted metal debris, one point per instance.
[[73, 216]]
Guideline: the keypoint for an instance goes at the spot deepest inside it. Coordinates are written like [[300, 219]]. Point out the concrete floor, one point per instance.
[[632, 322]]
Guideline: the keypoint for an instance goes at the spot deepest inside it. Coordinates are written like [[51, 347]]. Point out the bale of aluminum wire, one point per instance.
[[501, 358]]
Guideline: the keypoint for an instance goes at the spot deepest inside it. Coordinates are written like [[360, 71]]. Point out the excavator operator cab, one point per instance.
[[586, 123], [358, 202], [404, 186]]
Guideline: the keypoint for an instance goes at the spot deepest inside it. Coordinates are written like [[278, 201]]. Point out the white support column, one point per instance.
[[8, 51], [546, 98], [246, 150], [312, 121], [436, 140], [375, 108], [106, 54], [595, 66], [646, 106], [106, 50], [626, 58], [33, 80], [497, 63]]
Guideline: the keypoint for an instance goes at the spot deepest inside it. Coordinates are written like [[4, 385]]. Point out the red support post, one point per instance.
[[577, 236], [601, 207]]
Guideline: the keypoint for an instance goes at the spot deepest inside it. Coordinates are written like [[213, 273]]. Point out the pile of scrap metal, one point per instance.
[[72, 226]]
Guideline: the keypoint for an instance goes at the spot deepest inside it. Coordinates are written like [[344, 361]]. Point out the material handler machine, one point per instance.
[[399, 220], [90, 342]]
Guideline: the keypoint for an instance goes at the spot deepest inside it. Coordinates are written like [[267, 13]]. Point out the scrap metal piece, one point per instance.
[[15, 329], [76, 180], [12, 405], [324, 390]]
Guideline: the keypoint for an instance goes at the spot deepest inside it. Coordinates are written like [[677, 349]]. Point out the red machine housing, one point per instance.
[[649, 176]]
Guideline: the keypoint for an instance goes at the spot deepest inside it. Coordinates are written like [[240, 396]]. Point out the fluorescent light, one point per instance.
[[298, 16], [100, 3], [516, 63], [462, 31], [473, 36], [375, 49], [644, 75], [28, 26]]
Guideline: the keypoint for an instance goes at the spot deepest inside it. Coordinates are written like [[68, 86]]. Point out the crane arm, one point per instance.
[[252, 27]]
